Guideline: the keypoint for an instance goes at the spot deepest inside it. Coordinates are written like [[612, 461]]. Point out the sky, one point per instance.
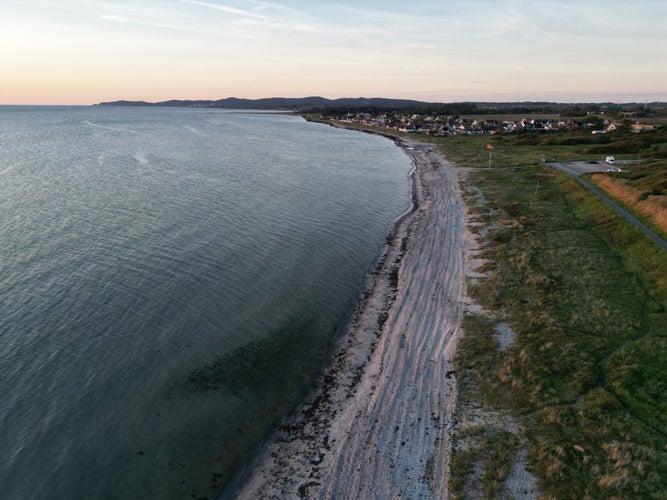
[[89, 51]]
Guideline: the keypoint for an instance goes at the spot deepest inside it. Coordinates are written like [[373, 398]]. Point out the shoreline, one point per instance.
[[378, 423]]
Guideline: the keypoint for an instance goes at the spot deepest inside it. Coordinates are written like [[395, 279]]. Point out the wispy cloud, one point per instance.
[[279, 9], [115, 18], [226, 8]]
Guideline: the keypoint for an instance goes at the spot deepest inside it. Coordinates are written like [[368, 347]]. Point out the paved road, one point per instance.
[[577, 168]]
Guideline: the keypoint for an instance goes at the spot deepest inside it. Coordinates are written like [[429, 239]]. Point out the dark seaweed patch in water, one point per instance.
[[269, 377], [278, 364]]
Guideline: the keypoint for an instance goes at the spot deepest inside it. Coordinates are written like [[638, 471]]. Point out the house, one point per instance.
[[638, 127]]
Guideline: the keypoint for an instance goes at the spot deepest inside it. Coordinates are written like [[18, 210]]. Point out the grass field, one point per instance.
[[585, 294]]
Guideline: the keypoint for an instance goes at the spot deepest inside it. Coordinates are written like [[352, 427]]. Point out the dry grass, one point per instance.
[[653, 207]]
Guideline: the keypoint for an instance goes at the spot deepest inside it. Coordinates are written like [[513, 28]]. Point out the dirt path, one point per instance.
[[379, 426]]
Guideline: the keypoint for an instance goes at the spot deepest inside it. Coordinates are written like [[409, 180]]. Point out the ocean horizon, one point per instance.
[[173, 281]]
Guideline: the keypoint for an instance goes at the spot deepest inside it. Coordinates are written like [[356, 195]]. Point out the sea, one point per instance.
[[172, 282]]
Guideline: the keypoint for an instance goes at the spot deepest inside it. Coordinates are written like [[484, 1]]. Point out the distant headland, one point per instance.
[[317, 102], [290, 103]]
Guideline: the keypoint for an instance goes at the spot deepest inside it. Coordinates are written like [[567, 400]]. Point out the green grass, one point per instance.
[[585, 293]]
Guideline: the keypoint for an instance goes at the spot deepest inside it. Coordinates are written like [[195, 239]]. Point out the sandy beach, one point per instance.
[[379, 423]]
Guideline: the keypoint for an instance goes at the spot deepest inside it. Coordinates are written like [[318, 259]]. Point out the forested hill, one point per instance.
[[278, 103]]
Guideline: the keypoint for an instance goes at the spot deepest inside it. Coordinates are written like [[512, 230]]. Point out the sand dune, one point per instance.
[[379, 424]]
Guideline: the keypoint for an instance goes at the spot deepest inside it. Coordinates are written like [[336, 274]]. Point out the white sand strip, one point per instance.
[[379, 424]]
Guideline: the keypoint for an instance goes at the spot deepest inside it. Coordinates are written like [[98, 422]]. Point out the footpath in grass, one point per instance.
[[585, 374]]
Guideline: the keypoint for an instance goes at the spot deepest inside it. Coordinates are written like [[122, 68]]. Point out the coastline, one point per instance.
[[379, 422]]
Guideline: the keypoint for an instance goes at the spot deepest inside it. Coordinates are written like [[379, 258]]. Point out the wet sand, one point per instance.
[[379, 423]]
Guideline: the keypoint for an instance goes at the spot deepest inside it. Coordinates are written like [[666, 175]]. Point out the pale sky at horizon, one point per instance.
[[88, 51]]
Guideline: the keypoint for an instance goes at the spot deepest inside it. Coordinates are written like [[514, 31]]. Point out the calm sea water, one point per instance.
[[170, 283]]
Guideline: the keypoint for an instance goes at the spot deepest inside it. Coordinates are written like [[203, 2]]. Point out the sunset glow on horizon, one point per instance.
[[88, 51]]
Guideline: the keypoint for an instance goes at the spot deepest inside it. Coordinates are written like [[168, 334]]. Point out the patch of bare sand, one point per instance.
[[379, 424]]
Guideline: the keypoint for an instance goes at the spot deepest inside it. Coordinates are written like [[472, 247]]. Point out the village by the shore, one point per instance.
[[440, 125]]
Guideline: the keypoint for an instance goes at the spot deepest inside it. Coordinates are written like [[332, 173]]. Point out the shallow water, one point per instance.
[[171, 281]]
